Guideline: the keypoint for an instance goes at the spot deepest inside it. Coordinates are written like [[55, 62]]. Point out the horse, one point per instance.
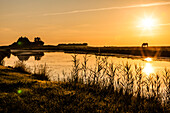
[[145, 45]]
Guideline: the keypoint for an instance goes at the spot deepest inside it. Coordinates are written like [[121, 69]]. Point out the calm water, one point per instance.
[[57, 62]]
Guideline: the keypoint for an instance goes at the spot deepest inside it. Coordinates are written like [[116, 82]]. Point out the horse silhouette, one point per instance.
[[145, 45]]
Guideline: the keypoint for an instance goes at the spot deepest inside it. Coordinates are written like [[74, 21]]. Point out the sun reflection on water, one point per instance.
[[148, 59], [148, 69]]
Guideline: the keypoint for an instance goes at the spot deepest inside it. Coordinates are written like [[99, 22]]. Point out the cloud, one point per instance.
[[167, 24], [108, 8], [5, 29]]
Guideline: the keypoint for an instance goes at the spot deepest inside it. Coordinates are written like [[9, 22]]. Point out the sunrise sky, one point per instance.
[[97, 22]]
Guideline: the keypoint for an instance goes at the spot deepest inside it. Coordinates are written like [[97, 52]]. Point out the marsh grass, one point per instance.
[[126, 82], [106, 87], [21, 67], [166, 81], [41, 72]]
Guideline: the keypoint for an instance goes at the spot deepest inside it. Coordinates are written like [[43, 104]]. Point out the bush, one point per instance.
[[21, 67]]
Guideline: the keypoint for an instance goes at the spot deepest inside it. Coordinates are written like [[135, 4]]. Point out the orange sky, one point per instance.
[[97, 22]]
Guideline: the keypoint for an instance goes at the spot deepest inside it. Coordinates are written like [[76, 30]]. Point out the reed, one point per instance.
[[75, 70], [124, 81], [166, 81], [84, 67], [41, 72]]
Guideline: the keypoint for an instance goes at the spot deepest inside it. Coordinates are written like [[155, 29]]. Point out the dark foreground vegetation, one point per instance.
[[104, 88], [4, 53]]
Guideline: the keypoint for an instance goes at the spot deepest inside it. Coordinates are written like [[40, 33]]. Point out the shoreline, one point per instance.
[[159, 51]]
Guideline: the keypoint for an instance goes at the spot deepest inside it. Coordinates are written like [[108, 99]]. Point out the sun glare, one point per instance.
[[148, 69], [147, 23], [148, 59]]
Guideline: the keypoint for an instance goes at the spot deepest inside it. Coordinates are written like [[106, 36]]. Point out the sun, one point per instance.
[[147, 23]]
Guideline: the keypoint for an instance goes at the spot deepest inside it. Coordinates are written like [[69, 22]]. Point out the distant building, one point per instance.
[[24, 42]]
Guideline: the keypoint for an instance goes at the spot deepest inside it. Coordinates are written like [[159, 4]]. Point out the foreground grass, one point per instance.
[[20, 92]]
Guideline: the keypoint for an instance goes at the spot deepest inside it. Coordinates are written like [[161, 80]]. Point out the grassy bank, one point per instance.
[[20, 92]]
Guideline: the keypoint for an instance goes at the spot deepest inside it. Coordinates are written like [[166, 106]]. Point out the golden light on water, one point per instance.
[[148, 69], [148, 59]]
